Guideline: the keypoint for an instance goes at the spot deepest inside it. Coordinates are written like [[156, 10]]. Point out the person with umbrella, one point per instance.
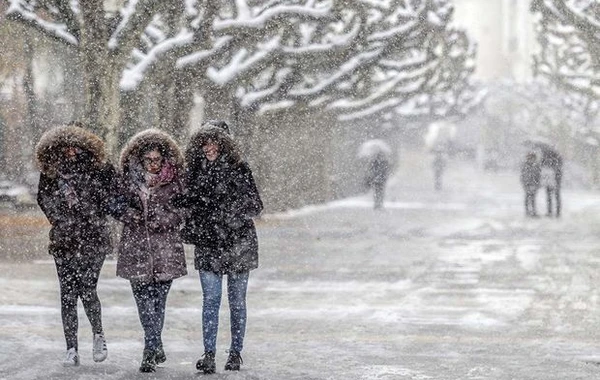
[[378, 154]]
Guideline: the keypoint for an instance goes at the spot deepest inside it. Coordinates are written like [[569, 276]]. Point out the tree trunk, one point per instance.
[[131, 115], [26, 161], [102, 72], [183, 101], [102, 94], [165, 101]]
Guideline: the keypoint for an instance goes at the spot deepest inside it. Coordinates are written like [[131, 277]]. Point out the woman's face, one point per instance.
[[152, 161], [211, 150], [70, 152]]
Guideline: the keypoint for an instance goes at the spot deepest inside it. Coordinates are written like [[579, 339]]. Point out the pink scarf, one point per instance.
[[166, 175]]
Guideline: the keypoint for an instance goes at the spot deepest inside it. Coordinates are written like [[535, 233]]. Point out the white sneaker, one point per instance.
[[72, 359], [99, 352]]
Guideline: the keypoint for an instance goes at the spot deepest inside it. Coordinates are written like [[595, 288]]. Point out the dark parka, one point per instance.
[[378, 171], [150, 248], [531, 173], [222, 199], [76, 197]]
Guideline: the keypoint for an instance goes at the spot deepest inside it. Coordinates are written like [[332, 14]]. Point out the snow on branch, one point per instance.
[[583, 16], [396, 32], [242, 61], [394, 86], [246, 21], [23, 11], [126, 13], [569, 35], [133, 75], [426, 71], [251, 98], [136, 15], [202, 56], [346, 69]]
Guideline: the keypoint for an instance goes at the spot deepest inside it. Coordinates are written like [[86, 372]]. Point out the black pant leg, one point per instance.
[[161, 291], [90, 273], [66, 269], [558, 201], [549, 195], [379, 194]]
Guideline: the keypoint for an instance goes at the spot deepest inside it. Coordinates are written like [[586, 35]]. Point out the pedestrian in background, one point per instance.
[[76, 189], [222, 199], [530, 180], [439, 166], [551, 162], [151, 252], [377, 176]]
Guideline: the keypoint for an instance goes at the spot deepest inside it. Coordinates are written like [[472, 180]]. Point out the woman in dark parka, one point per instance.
[[76, 190], [222, 199], [151, 251]]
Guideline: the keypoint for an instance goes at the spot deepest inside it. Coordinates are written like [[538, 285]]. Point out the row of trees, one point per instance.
[[569, 56], [353, 58], [561, 103]]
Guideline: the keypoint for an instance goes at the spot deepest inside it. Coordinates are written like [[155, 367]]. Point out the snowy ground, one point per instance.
[[452, 285]]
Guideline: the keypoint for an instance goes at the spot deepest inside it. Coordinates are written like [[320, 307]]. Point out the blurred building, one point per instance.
[[504, 31], [505, 34]]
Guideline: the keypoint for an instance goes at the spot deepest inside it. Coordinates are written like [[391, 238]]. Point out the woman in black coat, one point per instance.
[[76, 190], [222, 199]]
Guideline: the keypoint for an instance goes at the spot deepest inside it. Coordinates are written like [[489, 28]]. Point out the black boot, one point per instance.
[[233, 361], [159, 355], [206, 363], [148, 362]]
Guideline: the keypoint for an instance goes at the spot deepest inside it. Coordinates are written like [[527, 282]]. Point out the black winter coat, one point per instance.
[[79, 228], [531, 173], [378, 172], [222, 199], [76, 195]]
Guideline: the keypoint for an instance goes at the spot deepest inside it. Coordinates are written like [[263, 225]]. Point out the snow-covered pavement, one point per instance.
[[452, 285]]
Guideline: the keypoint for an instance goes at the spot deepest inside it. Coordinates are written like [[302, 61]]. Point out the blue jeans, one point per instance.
[[151, 300], [237, 284]]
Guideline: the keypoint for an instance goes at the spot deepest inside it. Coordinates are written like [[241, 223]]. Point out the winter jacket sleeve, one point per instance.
[[50, 205], [113, 202], [127, 207], [193, 194], [247, 202], [165, 216]]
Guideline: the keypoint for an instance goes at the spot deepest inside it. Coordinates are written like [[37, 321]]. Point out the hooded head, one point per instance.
[[147, 141], [217, 124], [531, 156], [215, 131], [69, 148]]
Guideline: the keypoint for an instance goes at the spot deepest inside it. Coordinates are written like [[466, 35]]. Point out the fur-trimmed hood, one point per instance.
[[47, 150], [140, 141], [194, 155]]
